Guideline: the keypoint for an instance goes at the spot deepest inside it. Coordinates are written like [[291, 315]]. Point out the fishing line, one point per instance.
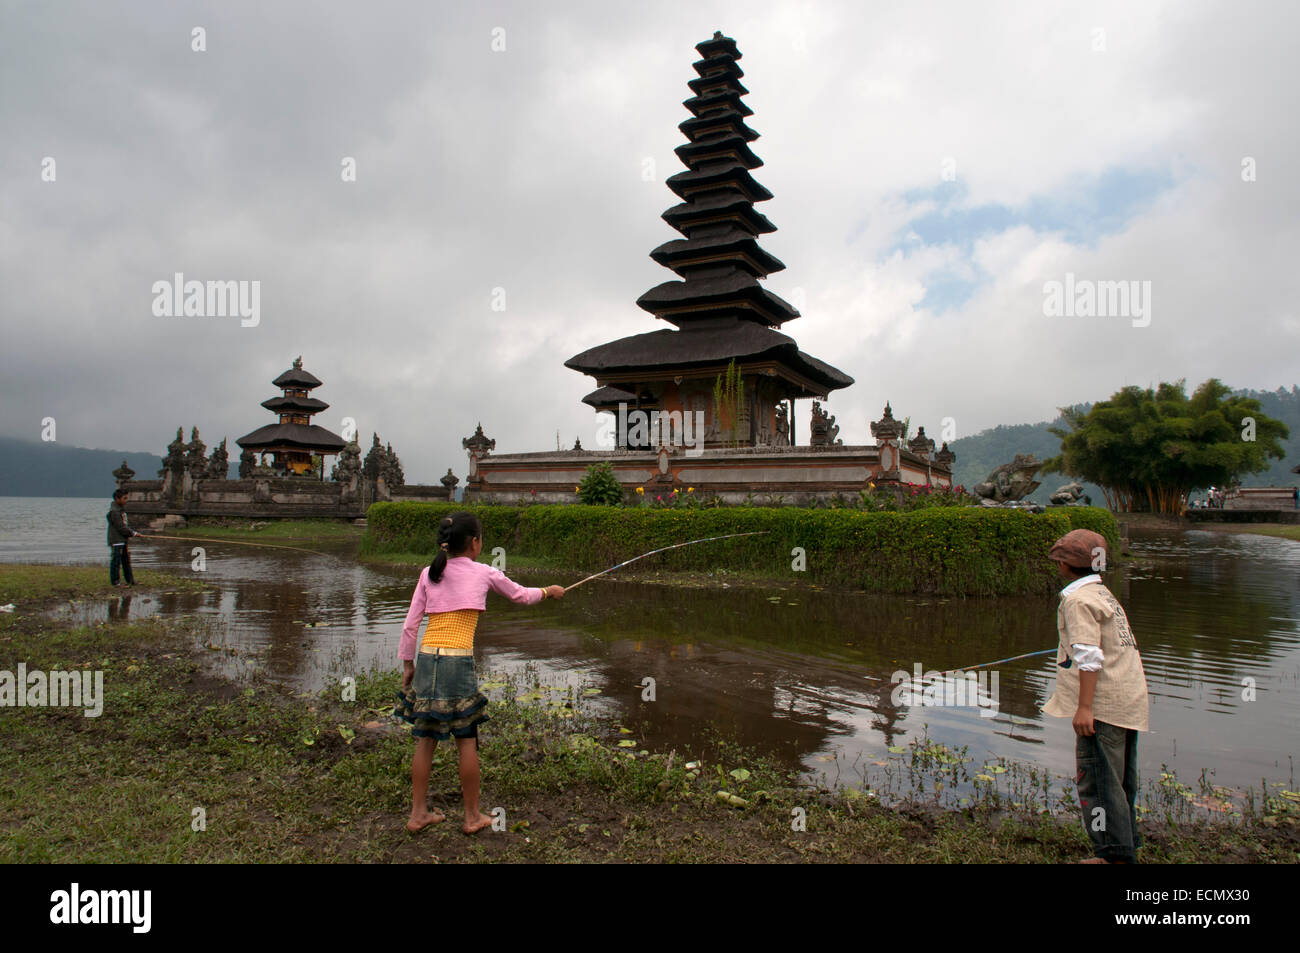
[[234, 542], [663, 549], [1014, 658]]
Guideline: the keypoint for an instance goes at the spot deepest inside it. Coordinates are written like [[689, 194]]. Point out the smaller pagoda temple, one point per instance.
[[295, 439]]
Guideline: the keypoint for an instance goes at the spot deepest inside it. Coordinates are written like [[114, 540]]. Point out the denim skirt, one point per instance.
[[443, 700]]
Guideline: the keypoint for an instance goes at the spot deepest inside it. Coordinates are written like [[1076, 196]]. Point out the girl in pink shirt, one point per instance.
[[440, 695]]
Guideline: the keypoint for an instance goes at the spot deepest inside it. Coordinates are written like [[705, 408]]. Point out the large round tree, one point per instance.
[[1148, 449]]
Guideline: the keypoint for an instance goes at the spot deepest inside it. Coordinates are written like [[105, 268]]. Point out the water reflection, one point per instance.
[[807, 675]]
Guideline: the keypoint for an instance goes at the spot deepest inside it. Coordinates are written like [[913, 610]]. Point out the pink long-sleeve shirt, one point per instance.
[[464, 585]]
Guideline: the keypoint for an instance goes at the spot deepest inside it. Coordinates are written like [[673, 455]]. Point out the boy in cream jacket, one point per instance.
[[1100, 684]]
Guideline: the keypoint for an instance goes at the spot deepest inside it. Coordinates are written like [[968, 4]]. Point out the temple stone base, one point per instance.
[[264, 498], [796, 476]]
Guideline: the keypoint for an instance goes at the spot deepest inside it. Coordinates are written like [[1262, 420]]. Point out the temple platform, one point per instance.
[[799, 475]]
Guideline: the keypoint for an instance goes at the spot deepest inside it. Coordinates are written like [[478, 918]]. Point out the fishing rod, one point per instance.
[[234, 542], [1014, 658], [663, 549]]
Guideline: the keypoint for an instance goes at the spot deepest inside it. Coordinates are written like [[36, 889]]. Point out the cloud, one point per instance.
[[523, 170]]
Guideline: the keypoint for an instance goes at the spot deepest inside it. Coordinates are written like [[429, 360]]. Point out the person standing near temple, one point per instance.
[[118, 533]]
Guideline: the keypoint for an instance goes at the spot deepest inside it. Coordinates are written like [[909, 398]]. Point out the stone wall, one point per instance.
[[795, 475], [270, 498]]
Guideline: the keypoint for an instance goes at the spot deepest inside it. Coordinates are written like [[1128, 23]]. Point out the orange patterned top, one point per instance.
[[450, 630]]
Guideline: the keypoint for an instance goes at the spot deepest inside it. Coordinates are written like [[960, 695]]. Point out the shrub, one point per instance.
[[948, 550], [600, 487]]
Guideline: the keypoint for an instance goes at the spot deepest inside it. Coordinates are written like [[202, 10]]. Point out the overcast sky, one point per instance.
[[1105, 140]]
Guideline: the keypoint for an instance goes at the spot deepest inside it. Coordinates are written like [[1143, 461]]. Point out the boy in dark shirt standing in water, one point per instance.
[[118, 533]]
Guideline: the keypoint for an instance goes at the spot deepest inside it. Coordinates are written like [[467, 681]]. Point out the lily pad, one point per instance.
[[897, 749], [740, 774], [627, 743]]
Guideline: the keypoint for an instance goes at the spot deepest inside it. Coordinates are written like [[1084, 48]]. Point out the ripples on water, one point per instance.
[[805, 676]]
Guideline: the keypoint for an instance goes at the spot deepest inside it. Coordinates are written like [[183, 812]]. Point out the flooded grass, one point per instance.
[[310, 530], [188, 766], [33, 585]]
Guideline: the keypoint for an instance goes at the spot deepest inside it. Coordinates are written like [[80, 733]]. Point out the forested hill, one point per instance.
[[33, 468], [979, 454]]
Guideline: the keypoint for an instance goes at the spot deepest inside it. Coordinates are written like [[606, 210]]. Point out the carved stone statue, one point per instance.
[[195, 461], [1068, 495], [782, 436], [348, 465], [219, 464], [1010, 482], [392, 471], [123, 473], [823, 430], [374, 465], [174, 462]]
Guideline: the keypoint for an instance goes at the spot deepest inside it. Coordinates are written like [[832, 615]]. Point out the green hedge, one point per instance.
[[960, 551]]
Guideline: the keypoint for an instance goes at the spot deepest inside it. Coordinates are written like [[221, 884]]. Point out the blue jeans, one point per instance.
[[1107, 782], [120, 558]]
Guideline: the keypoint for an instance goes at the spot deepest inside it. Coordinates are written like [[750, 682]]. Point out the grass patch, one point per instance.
[[26, 583]]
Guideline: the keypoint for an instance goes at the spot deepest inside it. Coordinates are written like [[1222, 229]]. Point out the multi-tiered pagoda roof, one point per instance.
[[719, 309], [294, 437]]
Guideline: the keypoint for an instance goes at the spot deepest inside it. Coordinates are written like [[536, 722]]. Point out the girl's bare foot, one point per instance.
[[472, 826], [419, 821]]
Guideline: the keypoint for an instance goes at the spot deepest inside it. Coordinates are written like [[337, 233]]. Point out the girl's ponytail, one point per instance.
[[455, 532]]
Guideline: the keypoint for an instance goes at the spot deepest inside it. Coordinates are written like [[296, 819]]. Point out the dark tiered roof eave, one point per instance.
[[720, 175], [728, 146], [297, 377], [288, 405], [603, 397], [308, 437], [697, 126], [716, 343], [718, 46], [716, 208], [720, 101], [737, 293], [734, 246]]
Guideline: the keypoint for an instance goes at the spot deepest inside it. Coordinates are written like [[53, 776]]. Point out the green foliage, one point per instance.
[[728, 398], [951, 550], [600, 487], [1148, 449]]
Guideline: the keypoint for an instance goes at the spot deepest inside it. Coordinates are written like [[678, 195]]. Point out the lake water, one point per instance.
[[804, 676]]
